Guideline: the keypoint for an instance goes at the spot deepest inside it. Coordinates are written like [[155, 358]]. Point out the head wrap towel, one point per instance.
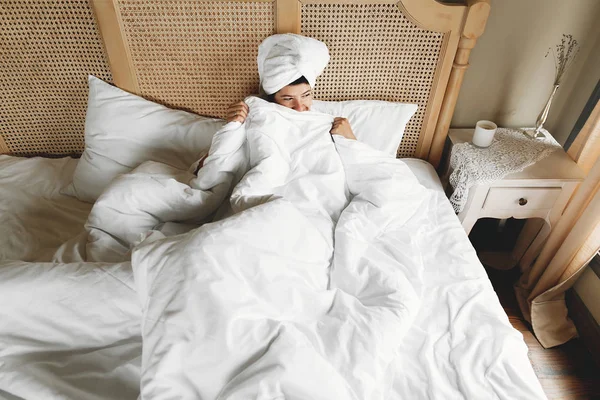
[[283, 58]]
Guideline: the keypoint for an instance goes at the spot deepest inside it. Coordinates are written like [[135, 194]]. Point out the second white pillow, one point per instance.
[[380, 124], [123, 130]]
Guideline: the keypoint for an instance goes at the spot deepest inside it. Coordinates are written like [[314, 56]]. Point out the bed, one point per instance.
[[123, 273]]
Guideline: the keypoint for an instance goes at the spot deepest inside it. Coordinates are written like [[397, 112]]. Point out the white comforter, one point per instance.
[[249, 304], [304, 287]]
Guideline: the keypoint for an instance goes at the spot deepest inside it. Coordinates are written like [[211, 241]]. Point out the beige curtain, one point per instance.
[[570, 246]]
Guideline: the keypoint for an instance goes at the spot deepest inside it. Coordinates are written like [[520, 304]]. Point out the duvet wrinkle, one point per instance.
[[115, 238], [259, 353]]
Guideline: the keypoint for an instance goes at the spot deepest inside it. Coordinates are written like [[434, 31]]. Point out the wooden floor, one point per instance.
[[565, 372]]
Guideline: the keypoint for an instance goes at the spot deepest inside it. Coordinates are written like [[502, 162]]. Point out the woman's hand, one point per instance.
[[237, 112], [341, 126]]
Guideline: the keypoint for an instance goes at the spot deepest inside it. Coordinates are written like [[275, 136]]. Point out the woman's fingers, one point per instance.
[[237, 112], [237, 109], [339, 123], [341, 126]]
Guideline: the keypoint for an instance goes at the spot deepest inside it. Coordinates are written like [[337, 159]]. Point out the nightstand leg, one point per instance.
[[470, 214], [502, 224], [468, 223]]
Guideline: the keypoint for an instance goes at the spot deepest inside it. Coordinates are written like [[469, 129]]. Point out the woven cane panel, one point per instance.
[[196, 55], [376, 54], [47, 50]]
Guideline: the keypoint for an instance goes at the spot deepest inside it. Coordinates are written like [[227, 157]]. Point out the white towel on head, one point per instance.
[[283, 58]]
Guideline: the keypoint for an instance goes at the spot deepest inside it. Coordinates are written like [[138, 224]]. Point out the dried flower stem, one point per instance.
[[564, 54]]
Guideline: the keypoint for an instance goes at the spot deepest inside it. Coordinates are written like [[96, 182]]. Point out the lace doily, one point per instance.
[[511, 151]]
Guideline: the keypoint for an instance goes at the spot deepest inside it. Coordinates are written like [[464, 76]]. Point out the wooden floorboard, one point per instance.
[[566, 372]]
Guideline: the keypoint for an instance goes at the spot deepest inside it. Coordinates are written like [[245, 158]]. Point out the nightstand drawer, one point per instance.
[[507, 198]]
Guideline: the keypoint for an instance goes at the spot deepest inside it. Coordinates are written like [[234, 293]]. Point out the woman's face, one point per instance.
[[296, 97]]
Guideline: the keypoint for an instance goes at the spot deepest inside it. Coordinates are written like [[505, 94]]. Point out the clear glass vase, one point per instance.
[[541, 119]]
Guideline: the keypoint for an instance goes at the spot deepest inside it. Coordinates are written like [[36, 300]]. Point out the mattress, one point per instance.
[[460, 345]]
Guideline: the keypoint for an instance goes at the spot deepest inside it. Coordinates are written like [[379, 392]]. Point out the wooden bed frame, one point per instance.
[[200, 55]]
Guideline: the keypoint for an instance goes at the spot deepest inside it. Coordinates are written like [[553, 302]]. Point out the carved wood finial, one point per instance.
[[476, 18]]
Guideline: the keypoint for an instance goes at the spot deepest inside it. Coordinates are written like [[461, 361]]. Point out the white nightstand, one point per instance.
[[542, 191]]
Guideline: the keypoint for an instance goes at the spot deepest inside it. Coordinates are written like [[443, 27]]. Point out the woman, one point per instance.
[[288, 66]]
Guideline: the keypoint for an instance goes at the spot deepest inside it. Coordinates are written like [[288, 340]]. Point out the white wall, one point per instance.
[[509, 79]]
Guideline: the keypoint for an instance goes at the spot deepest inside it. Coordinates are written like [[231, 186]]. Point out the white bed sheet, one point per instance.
[[34, 217]]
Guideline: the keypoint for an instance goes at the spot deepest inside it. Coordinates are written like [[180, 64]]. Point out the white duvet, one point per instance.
[[260, 304], [308, 284]]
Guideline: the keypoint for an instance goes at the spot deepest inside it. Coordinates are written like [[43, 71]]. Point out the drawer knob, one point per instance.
[[522, 201]]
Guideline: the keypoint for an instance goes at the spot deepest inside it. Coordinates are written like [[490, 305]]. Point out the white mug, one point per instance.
[[484, 133]]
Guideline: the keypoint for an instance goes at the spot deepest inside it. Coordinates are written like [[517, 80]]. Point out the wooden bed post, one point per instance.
[[3, 146], [119, 59], [474, 25], [288, 16]]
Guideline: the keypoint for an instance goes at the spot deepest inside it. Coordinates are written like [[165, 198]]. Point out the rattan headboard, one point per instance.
[[200, 55]]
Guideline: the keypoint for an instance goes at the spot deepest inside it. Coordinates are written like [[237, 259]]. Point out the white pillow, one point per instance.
[[123, 130], [380, 124]]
